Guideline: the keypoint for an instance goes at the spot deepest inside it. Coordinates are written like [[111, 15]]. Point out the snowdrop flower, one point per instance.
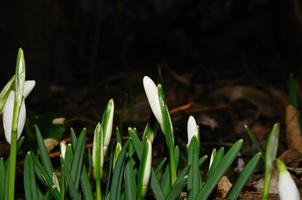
[[107, 122], [286, 185], [8, 111], [152, 96], [192, 128]]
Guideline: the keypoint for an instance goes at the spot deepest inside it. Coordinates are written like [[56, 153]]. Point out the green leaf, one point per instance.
[[156, 188], [117, 173], [5, 92], [49, 194], [43, 153], [71, 186], [30, 186], [86, 187], [270, 156], [218, 172], [245, 174], [202, 160], [216, 160], [77, 161], [130, 182], [179, 184], [137, 144], [165, 182], [254, 140]]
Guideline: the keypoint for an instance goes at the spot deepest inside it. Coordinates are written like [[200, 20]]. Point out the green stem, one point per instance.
[[98, 190], [266, 184], [12, 165]]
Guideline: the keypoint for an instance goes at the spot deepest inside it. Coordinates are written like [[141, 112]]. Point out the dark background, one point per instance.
[[81, 42]]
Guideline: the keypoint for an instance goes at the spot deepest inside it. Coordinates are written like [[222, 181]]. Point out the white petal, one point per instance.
[[8, 111], [152, 96], [22, 119], [28, 87], [192, 129], [287, 187]]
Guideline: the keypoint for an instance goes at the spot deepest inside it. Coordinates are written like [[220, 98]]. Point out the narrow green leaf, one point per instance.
[[165, 182], [179, 184], [30, 186], [77, 161], [119, 167], [49, 194], [216, 160], [202, 160], [158, 170], [245, 174], [254, 140], [130, 182], [156, 188], [74, 138], [43, 153], [86, 187], [137, 144], [71, 186], [218, 172]]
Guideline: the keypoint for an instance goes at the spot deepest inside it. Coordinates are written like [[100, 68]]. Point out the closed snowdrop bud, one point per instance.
[[107, 122], [8, 112], [192, 129], [286, 185], [153, 99], [145, 168], [63, 149]]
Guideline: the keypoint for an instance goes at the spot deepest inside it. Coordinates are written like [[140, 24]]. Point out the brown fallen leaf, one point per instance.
[[223, 187], [293, 131], [291, 157]]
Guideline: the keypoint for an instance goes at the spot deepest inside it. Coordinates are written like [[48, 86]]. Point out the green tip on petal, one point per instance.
[[281, 166]]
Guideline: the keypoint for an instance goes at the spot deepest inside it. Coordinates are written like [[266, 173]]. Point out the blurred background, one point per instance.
[[81, 42]]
